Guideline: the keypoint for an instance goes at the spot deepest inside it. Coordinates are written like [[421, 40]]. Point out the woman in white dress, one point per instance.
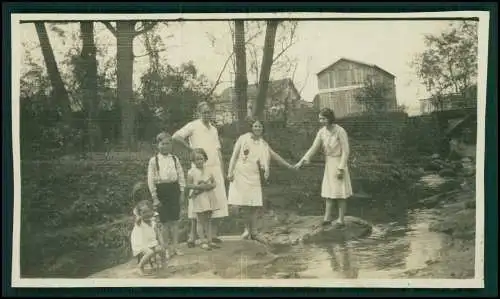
[[249, 166], [336, 184], [202, 134]]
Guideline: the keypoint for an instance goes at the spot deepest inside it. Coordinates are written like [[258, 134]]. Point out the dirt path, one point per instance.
[[248, 258], [235, 259]]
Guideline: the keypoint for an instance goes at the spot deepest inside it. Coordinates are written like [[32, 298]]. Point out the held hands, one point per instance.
[[300, 164], [230, 177]]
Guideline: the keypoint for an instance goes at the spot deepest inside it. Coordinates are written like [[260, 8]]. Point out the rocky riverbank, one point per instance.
[[454, 205]]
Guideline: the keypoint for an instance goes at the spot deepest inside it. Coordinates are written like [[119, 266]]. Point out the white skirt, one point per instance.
[[332, 187], [245, 189], [221, 206]]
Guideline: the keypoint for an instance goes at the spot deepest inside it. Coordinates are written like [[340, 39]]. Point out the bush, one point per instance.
[[421, 136]]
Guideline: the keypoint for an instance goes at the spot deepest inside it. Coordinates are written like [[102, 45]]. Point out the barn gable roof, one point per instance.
[[356, 62]]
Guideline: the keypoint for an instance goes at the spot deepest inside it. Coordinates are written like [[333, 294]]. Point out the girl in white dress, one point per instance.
[[249, 166], [336, 179], [202, 134], [202, 200]]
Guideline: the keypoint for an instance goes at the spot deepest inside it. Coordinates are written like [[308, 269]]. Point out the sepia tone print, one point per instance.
[[234, 149]]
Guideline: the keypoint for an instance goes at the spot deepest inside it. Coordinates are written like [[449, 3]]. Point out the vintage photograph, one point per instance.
[[235, 148]]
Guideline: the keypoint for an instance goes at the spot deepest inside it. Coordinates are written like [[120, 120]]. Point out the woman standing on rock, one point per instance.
[[202, 134], [249, 166], [336, 184]]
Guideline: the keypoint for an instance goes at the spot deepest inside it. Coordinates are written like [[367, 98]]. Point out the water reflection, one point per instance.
[[424, 245], [342, 261], [389, 252]]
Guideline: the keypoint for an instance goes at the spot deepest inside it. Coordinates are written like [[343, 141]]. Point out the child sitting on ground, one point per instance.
[[144, 240]]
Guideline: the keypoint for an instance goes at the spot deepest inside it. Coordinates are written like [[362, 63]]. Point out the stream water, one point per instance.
[[392, 249], [401, 242]]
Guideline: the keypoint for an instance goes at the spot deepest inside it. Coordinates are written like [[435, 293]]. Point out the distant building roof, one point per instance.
[[252, 89], [357, 62]]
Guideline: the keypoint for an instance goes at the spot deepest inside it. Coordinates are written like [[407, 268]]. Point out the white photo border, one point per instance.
[[476, 282]]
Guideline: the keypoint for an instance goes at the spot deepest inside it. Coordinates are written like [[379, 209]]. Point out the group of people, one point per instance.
[[158, 209]]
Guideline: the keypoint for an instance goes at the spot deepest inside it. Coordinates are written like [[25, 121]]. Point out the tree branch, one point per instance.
[[283, 51], [291, 42], [110, 27], [307, 76], [217, 82], [150, 52]]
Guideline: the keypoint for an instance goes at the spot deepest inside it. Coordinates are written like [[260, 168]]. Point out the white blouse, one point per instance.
[[335, 144], [202, 136], [249, 150], [168, 170]]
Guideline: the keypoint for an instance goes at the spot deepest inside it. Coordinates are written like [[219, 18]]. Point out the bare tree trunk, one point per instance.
[[241, 80], [154, 63], [59, 93], [265, 69], [125, 34], [89, 85]]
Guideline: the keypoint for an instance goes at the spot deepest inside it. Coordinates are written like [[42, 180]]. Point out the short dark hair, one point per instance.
[[252, 120], [139, 209], [140, 192], [199, 151], [328, 114], [163, 135], [202, 104]]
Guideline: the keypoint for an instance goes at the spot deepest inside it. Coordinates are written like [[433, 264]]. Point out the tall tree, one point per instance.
[[125, 32], [59, 92], [265, 69], [89, 84], [448, 66], [241, 80]]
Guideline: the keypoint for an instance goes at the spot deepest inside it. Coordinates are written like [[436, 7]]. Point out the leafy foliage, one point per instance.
[[374, 96], [172, 93], [449, 64], [157, 101]]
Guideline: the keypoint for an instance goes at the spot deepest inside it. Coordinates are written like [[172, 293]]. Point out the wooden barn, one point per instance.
[[339, 83]]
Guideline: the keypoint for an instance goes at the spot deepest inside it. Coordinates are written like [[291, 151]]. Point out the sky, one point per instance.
[[389, 44]]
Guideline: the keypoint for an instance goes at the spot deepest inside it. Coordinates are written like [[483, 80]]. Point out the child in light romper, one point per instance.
[[202, 200], [143, 239]]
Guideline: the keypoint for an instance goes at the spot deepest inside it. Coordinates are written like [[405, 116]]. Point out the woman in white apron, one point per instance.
[[336, 184], [249, 166], [202, 134]]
